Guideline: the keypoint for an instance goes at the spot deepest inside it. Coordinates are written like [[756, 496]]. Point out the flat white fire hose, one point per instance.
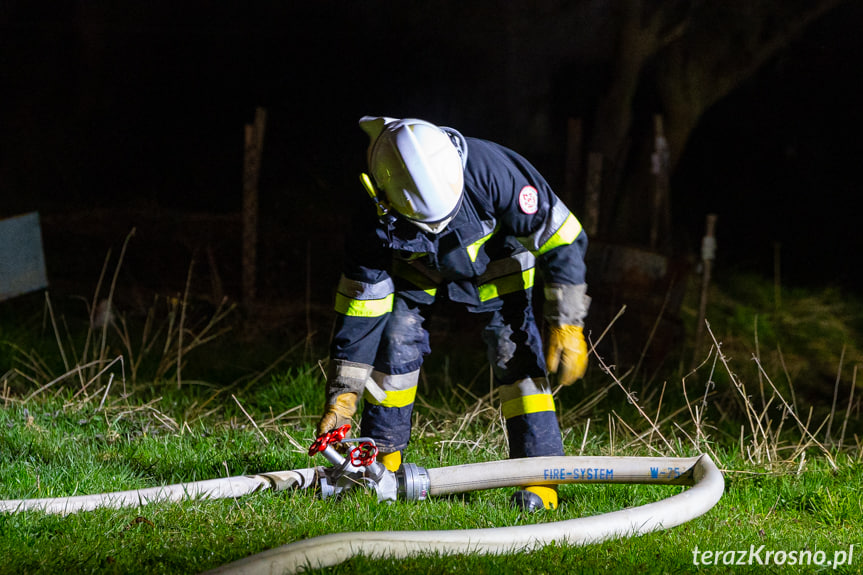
[[209, 489], [699, 472]]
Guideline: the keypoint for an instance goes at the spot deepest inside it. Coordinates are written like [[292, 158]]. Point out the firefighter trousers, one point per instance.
[[514, 349]]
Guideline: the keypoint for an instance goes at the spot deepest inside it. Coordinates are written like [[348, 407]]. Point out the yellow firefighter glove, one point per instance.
[[566, 353], [338, 413]]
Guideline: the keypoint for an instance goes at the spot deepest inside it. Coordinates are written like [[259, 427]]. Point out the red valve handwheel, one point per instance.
[[333, 436], [364, 454]]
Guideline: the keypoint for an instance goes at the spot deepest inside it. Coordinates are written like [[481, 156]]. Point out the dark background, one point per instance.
[[115, 115]]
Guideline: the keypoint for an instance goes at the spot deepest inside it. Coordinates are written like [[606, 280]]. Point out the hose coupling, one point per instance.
[[413, 482]]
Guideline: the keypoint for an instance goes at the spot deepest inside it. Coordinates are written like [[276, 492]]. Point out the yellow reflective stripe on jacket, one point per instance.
[[408, 271], [506, 284], [564, 235], [527, 404], [473, 249], [395, 397], [364, 307]]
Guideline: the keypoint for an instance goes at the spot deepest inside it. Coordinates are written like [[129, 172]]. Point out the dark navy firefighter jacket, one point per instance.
[[509, 220]]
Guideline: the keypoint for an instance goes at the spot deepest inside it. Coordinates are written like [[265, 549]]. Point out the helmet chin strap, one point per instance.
[[439, 226], [434, 228], [381, 205]]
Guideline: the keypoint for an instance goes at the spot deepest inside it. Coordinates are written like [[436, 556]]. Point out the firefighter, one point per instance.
[[467, 220]]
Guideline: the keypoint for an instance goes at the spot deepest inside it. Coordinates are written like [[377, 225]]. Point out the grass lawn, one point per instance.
[[793, 467], [57, 447]]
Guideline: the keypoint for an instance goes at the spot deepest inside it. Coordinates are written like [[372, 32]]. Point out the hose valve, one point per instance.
[[360, 467]]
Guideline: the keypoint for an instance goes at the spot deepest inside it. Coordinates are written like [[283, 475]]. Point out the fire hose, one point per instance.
[[415, 483]]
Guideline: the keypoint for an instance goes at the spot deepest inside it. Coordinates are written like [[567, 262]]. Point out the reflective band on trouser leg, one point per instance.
[[363, 307], [529, 395], [401, 389], [527, 404], [395, 398], [389, 422], [361, 299], [531, 422]]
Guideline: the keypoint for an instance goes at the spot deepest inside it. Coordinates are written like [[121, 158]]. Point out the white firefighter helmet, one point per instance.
[[419, 167]]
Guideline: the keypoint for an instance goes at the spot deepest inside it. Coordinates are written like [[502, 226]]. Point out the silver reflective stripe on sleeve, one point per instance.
[[560, 228]]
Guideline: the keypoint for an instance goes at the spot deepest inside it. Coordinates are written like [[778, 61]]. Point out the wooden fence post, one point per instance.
[[254, 145], [708, 254], [659, 221], [592, 193]]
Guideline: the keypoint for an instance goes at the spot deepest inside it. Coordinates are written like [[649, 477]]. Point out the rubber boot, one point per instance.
[[392, 461], [535, 497]]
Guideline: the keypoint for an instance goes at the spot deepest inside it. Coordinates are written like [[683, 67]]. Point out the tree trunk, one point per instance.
[[698, 56]]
